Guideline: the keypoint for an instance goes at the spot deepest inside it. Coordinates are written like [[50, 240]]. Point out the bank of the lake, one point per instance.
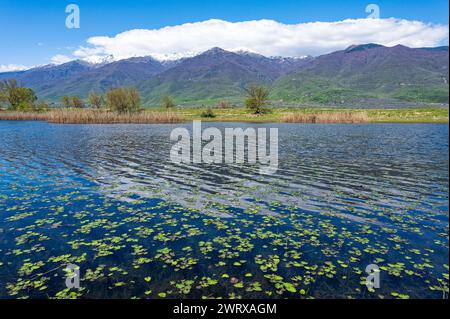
[[279, 115]]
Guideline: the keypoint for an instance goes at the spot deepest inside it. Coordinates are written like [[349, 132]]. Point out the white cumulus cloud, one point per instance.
[[13, 67], [267, 37], [60, 59]]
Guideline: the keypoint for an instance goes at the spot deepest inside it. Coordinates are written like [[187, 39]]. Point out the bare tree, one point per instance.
[[66, 101], [95, 100], [78, 103]]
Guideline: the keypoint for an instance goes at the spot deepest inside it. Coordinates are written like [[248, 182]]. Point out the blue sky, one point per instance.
[[32, 32]]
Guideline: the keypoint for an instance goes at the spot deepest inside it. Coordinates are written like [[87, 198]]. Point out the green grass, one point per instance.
[[420, 115], [413, 115]]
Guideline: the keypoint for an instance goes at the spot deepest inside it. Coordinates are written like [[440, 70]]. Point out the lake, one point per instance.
[[108, 199]]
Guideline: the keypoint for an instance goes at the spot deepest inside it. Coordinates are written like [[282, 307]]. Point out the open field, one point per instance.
[[280, 115]]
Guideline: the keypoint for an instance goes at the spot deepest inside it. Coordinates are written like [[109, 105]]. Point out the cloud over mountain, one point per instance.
[[13, 67], [267, 37], [60, 59]]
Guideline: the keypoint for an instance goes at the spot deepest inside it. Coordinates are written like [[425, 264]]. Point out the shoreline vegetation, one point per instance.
[[277, 115], [123, 105], [92, 116]]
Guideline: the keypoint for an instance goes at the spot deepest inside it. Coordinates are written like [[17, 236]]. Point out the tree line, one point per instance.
[[121, 100]]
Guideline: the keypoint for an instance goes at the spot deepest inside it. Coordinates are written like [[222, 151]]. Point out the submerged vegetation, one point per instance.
[[278, 239], [108, 199]]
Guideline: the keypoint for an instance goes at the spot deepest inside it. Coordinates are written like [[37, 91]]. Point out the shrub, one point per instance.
[[224, 105], [208, 113]]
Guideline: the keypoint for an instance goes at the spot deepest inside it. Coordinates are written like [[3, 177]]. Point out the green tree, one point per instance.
[[167, 102], [257, 98], [123, 100], [95, 100], [18, 98], [6, 87]]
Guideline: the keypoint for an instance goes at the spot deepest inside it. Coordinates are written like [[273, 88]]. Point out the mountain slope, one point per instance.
[[129, 72], [80, 78], [212, 75], [216, 74], [361, 72], [370, 71]]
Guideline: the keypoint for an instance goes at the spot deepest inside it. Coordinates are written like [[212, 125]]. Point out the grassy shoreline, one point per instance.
[[277, 115]]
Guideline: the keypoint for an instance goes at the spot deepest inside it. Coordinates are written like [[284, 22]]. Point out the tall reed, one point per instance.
[[23, 116], [91, 116], [327, 117]]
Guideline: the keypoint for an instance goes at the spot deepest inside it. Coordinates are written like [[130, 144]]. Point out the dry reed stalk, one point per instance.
[[22, 116], [90, 116], [331, 117]]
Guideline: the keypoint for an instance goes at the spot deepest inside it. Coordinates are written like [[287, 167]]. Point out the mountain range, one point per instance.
[[368, 71]]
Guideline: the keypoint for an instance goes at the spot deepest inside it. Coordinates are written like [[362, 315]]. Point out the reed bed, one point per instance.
[[23, 116], [328, 117], [90, 116]]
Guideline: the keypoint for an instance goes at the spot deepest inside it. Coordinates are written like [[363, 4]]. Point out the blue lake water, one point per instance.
[[108, 199]]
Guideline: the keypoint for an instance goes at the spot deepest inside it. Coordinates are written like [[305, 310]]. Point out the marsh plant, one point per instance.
[[327, 117], [92, 116], [230, 149]]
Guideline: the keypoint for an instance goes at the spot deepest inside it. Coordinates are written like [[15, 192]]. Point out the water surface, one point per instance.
[[108, 198]]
